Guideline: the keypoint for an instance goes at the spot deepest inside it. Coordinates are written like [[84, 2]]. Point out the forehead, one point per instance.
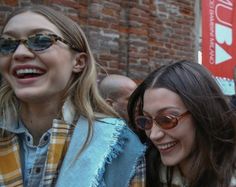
[[27, 23], [159, 98]]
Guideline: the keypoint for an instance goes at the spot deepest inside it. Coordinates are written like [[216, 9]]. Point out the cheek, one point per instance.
[[59, 64], [192, 136], [189, 137], [56, 54]]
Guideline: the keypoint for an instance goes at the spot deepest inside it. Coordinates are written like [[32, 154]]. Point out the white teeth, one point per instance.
[[25, 71], [166, 146]]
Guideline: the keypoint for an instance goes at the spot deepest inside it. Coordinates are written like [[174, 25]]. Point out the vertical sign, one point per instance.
[[219, 36]]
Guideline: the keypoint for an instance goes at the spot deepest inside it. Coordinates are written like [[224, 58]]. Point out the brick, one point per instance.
[[138, 31], [11, 2], [98, 23]]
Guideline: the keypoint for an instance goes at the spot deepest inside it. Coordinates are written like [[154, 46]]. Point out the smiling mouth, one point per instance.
[[167, 146], [28, 73]]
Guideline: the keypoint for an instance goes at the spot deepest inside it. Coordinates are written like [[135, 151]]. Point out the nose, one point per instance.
[[22, 53], [156, 133]]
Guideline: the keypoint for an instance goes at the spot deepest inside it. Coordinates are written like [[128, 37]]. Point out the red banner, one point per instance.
[[218, 36]]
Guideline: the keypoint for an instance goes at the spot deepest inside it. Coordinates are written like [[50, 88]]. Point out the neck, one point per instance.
[[38, 117]]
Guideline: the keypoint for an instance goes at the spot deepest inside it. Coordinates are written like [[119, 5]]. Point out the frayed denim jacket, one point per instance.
[[108, 161]]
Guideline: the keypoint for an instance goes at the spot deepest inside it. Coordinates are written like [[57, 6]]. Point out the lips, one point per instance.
[[27, 72], [166, 146]]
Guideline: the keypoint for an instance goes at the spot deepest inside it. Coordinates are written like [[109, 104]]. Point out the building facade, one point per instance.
[[131, 37]]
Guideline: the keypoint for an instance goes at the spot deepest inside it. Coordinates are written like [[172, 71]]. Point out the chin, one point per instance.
[[171, 161], [27, 96]]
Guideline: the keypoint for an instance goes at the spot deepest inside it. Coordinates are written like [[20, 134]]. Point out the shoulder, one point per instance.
[[108, 124], [107, 129], [112, 133], [119, 125], [110, 121]]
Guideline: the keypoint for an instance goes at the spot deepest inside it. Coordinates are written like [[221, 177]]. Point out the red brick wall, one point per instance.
[[129, 37]]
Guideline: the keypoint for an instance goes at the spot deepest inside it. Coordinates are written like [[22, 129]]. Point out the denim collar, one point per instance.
[[16, 128]]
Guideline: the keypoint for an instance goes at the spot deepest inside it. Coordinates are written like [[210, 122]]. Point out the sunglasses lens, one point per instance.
[[166, 122], [143, 122], [8, 45], [39, 42]]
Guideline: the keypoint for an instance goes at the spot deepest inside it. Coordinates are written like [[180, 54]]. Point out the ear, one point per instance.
[[109, 101], [80, 62]]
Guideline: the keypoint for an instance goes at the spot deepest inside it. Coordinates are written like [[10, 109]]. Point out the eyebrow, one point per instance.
[[161, 110], [33, 31]]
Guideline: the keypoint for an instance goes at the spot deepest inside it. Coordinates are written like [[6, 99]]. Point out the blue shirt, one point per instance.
[[33, 157]]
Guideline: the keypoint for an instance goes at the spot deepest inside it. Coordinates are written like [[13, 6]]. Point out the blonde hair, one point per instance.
[[82, 88]]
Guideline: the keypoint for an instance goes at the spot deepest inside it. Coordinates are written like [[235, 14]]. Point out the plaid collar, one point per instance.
[[10, 167], [177, 180]]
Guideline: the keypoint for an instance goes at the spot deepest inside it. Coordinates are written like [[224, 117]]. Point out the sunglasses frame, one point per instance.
[[175, 120], [53, 37]]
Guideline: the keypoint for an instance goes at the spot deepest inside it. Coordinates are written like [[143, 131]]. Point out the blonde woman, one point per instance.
[[55, 128]]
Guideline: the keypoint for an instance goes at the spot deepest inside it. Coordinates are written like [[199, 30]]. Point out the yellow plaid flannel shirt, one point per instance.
[[140, 175], [10, 166]]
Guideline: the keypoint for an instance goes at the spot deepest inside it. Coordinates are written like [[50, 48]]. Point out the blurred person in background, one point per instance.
[[116, 90]]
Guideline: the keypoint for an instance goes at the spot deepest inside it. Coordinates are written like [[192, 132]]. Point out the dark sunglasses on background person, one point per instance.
[[36, 42], [163, 121]]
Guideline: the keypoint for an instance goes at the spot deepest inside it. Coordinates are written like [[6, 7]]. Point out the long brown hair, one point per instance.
[[214, 151]]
